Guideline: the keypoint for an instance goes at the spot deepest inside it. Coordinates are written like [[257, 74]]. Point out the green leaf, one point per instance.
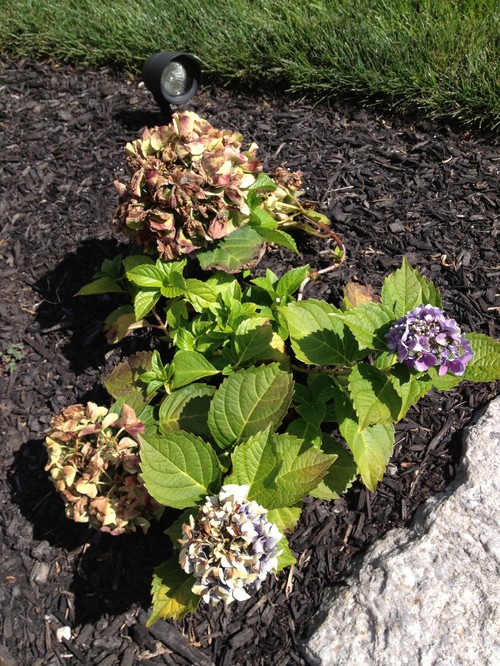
[[184, 339], [285, 518], [234, 252], [263, 182], [146, 275], [268, 284], [171, 267], [291, 281], [177, 313], [157, 365], [340, 476], [277, 236], [137, 260], [179, 469], [312, 413], [252, 339], [305, 430], [443, 382], [280, 469], [103, 285], [172, 594], [260, 218], [120, 323], [253, 200], [173, 285], [385, 360], [153, 384], [485, 363], [286, 558], [310, 402], [124, 378], [201, 295], [189, 366], [163, 275], [369, 324], [373, 395], [249, 401], [144, 301], [318, 335], [410, 386], [139, 403], [302, 468], [111, 268], [253, 460], [321, 386], [407, 288], [186, 409], [224, 284], [372, 447]]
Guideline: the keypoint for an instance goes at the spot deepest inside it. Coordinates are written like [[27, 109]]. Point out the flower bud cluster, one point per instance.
[[189, 186], [426, 338], [94, 464], [229, 547]]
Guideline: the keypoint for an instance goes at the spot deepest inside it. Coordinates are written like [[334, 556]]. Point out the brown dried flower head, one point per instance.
[[94, 464], [188, 187]]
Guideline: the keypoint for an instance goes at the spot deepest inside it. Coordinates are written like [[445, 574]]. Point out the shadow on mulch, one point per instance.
[[134, 120], [111, 574], [35, 495], [82, 317]]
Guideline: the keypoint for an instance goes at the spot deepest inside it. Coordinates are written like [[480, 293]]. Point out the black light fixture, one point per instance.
[[173, 78]]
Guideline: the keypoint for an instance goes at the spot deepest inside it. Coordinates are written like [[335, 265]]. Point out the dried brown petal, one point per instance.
[[94, 464]]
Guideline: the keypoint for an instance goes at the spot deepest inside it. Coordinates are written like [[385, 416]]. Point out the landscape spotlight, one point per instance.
[[173, 78]]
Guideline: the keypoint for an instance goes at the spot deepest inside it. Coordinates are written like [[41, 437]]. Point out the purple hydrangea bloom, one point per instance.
[[230, 546], [425, 338]]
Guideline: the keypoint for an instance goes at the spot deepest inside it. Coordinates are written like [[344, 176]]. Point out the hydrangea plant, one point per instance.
[[252, 379], [243, 402]]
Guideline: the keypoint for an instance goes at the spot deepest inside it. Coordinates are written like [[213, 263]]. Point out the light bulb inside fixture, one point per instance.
[[174, 79]]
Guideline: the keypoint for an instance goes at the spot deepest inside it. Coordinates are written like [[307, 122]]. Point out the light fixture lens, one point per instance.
[[172, 77], [174, 80]]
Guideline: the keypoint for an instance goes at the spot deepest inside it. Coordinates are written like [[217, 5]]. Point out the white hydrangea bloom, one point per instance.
[[230, 546]]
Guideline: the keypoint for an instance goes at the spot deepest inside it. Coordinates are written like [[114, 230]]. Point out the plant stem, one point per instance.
[[315, 274], [329, 232], [161, 325]]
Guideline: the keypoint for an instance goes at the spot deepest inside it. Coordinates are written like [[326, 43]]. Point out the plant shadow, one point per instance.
[[110, 574], [82, 317], [136, 120]]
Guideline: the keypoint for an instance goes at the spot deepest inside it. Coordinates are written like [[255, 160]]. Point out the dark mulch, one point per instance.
[[393, 189]]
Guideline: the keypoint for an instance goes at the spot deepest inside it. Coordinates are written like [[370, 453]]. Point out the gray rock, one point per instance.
[[428, 595]]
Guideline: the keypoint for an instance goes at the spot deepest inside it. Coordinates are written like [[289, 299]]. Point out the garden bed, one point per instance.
[[391, 188]]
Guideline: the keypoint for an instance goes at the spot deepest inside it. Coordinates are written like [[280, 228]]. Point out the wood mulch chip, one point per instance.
[[392, 189]]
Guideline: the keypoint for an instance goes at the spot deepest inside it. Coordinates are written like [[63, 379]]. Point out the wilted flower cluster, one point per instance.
[[189, 186], [425, 338], [94, 464], [230, 546]]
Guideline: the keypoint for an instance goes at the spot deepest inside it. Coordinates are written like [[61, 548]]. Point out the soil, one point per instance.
[[391, 187]]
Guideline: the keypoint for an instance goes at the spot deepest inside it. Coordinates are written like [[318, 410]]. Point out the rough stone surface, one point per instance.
[[428, 595]]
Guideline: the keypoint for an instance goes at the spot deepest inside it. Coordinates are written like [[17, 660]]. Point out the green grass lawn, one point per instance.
[[436, 58]]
